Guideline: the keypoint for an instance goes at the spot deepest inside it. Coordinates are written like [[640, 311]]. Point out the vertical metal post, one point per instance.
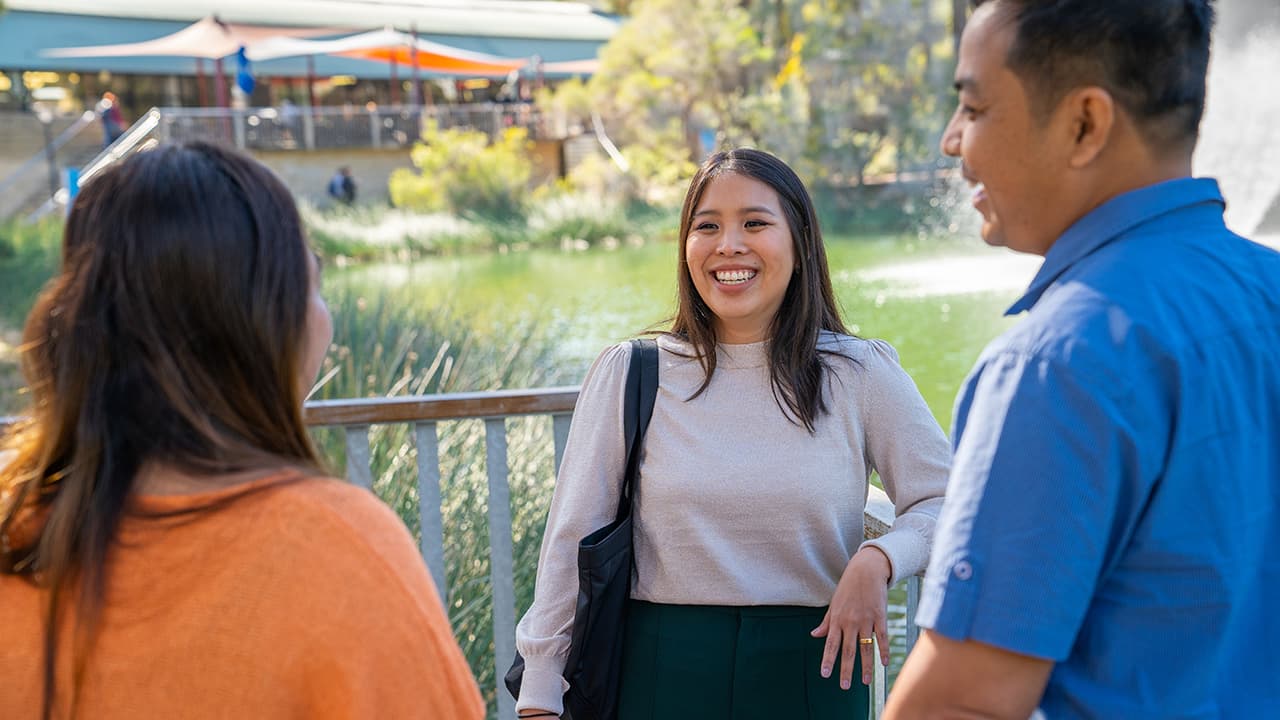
[[560, 424], [358, 470], [309, 129], [879, 678], [429, 516], [500, 554], [237, 125], [50, 154], [913, 604]]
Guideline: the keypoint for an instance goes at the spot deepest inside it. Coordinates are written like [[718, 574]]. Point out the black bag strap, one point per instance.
[[641, 391]]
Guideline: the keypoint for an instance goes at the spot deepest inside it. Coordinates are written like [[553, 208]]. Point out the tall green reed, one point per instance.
[[391, 345]]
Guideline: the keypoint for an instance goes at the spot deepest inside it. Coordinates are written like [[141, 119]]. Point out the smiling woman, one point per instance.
[[753, 586]]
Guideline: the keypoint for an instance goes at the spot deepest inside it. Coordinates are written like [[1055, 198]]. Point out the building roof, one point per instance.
[[553, 31], [488, 18]]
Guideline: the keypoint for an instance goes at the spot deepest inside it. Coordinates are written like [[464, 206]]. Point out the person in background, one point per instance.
[[109, 113], [755, 594], [342, 187], [290, 122], [169, 544], [1107, 548]]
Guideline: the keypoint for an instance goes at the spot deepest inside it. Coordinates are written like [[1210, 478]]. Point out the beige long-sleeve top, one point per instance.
[[735, 503]]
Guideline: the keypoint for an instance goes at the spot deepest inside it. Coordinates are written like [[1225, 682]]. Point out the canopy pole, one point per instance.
[[202, 92], [311, 81], [220, 83], [395, 82], [417, 79], [309, 117]]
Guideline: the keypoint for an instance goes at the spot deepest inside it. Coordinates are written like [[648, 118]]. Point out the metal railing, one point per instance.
[[139, 136], [332, 128], [32, 176], [309, 129], [355, 417]]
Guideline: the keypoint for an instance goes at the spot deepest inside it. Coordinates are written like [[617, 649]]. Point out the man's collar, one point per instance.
[[1109, 221]]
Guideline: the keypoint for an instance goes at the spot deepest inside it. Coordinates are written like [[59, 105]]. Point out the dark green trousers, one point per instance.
[[700, 662]]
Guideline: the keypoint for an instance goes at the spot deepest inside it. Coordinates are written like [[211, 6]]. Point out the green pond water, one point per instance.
[[938, 302]]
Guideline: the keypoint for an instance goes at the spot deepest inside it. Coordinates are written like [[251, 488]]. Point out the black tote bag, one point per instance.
[[605, 560]]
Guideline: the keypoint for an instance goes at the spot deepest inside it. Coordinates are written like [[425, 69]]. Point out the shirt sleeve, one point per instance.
[[586, 498], [1045, 477], [905, 445]]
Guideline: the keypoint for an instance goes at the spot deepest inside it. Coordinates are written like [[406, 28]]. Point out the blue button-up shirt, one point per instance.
[[1114, 503]]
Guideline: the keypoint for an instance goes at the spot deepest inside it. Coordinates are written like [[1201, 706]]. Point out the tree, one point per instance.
[[837, 87], [677, 67]]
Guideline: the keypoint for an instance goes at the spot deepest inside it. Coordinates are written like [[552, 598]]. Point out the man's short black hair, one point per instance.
[[1151, 55]]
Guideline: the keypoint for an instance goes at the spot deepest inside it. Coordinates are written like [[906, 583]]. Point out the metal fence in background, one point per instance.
[[329, 128]]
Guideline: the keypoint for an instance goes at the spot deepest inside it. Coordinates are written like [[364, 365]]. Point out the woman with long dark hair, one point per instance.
[[169, 545], [754, 594]]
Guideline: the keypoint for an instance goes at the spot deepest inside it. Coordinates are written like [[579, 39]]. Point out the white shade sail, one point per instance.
[[389, 45]]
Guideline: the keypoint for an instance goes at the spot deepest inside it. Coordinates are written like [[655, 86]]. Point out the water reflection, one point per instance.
[[993, 271]]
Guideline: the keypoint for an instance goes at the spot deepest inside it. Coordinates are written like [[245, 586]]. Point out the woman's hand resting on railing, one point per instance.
[[858, 610]]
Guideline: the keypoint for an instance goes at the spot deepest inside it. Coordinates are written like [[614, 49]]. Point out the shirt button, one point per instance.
[[962, 570]]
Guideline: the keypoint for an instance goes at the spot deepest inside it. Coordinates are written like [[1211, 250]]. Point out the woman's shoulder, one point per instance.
[[615, 361], [864, 352], [317, 530], [353, 559], [342, 511], [620, 353]]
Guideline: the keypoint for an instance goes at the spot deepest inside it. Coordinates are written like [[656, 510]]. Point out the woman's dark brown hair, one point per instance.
[[173, 334], [808, 307]]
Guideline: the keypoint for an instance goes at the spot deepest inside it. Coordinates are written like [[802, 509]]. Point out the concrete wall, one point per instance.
[[307, 173]]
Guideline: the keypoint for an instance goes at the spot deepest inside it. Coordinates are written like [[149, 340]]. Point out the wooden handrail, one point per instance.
[[449, 406], [496, 404], [878, 516], [423, 408]]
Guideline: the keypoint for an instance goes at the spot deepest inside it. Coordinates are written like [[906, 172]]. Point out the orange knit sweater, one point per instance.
[[302, 599]]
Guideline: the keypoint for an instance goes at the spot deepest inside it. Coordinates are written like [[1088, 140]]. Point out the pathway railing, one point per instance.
[[424, 413], [295, 128], [26, 183], [333, 128]]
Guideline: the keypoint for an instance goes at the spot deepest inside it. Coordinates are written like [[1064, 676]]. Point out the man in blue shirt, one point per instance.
[[1110, 542]]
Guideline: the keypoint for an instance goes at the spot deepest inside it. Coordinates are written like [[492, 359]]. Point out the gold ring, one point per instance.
[[866, 641]]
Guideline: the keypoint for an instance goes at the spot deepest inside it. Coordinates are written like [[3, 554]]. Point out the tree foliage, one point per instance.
[[840, 88]]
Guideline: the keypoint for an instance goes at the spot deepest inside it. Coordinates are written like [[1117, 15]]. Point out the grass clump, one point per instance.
[[29, 256]]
